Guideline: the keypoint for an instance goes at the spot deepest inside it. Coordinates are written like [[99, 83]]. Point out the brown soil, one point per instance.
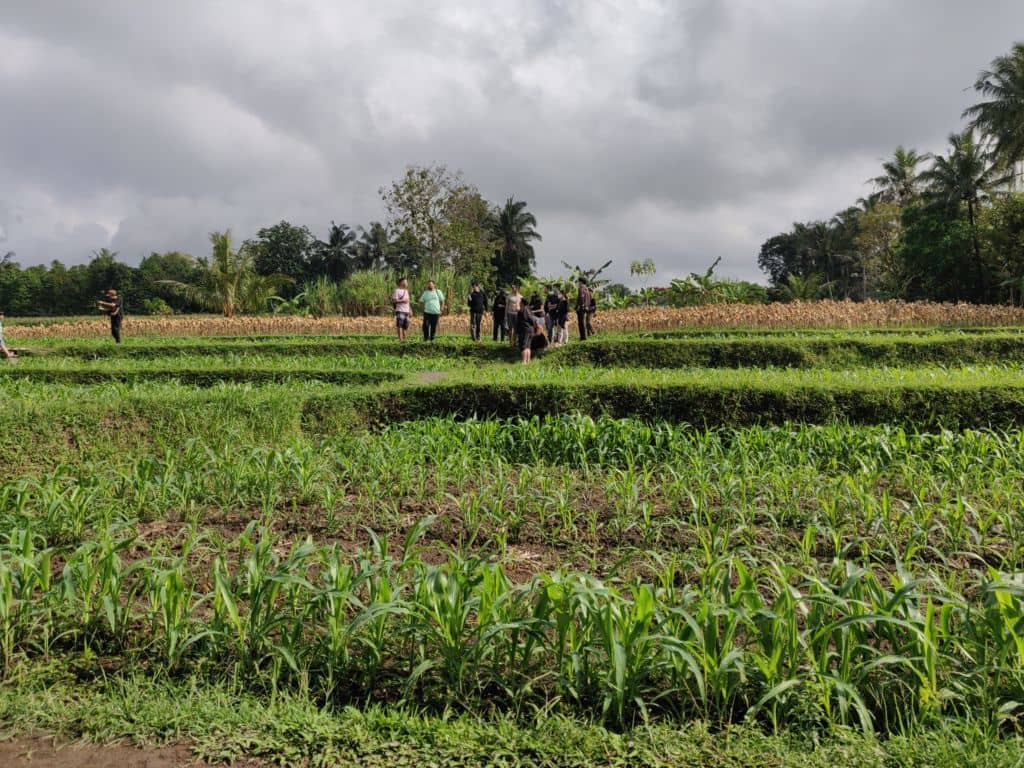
[[44, 751]]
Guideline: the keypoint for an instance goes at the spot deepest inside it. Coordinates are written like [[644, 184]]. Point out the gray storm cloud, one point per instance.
[[681, 131]]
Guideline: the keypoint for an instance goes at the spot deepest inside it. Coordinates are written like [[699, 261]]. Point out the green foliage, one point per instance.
[[443, 220], [1002, 236], [229, 282], [513, 229], [1000, 117], [931, 253], [156, 306], [283, 249]]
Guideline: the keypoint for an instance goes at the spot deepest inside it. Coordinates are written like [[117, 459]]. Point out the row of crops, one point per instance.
[[795, 532]]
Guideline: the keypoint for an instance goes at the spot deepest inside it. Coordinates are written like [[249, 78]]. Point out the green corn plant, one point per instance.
[[258, 606], [173, 608]]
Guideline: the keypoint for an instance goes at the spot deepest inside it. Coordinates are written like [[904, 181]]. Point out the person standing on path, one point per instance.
[[498, 314], [562, 317], [525, 323], [477, 307], [550, 310], [584, 297], [114, 307], [402, 302], [433, 305], [3, 347], [513, 303]]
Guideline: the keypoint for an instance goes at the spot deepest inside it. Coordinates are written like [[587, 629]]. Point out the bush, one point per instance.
[[156, 306], [702, 406], [764, 351]]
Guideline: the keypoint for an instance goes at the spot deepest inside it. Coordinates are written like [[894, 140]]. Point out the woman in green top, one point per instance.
[[433, 304]]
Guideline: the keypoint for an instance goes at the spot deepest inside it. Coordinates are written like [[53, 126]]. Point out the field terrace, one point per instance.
[[699, 538]]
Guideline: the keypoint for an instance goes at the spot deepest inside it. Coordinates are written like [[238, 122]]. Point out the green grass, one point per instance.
[[227, 724], [309, 550]]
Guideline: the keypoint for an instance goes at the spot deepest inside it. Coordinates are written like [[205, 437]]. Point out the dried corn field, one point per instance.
[[796, 315]]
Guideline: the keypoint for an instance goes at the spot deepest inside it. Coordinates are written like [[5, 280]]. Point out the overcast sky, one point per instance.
[[681, 131]]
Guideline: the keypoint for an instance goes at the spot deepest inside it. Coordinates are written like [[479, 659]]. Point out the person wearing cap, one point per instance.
[[113, 307]]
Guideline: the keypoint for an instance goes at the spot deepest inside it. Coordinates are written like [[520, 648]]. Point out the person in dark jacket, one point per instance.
[[477, 307], [584, 298], [114, 308], [561, 327], [550, 308], [498, 313], [525, 324]]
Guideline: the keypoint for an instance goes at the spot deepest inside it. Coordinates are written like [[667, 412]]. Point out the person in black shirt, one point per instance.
[[524, 324], [114, 308], [498, 313], [477, 307], [536, 305], [550, 308], [562, 317]]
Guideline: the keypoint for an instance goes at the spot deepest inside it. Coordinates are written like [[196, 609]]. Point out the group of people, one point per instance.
[[529, 325]]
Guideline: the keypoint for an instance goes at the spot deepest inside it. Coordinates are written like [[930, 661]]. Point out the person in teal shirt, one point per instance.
[[433, 304]]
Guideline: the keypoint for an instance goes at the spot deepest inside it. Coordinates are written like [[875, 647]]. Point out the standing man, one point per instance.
[[562, 316], [550, 310], [584, 297], [498, 313], [433, 304], [402, 302], [525, 324], [477, 307], [114, 308], [512, 304]]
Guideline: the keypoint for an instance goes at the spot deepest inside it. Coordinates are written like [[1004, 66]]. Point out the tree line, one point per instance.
[[944, 227], [437, 224]]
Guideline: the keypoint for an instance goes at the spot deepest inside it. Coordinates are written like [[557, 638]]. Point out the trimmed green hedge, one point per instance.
[[792, 352], [920, 407], [201, 378], [375, 345]]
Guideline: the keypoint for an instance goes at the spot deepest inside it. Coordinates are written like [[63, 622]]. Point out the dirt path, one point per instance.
[[40, 752], [430, 377]]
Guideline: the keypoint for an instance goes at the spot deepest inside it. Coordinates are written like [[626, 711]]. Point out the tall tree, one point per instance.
[[373, 246], [420, 204], [964, 176], [514, 228], [1000, 118], [899, 180], [334, 258], [283, 249]]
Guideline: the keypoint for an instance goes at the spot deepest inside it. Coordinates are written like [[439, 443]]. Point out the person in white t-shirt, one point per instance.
[[512, 303], [402, 303]]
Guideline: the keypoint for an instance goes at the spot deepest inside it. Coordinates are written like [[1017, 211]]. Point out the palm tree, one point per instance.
[[899, 182], [229, 283], [798, 288], [1001, 117], [373, 246], [966, 175], [334, 258], [513, 228]]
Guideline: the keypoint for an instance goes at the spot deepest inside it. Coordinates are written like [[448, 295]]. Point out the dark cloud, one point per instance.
[[681, 131]]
